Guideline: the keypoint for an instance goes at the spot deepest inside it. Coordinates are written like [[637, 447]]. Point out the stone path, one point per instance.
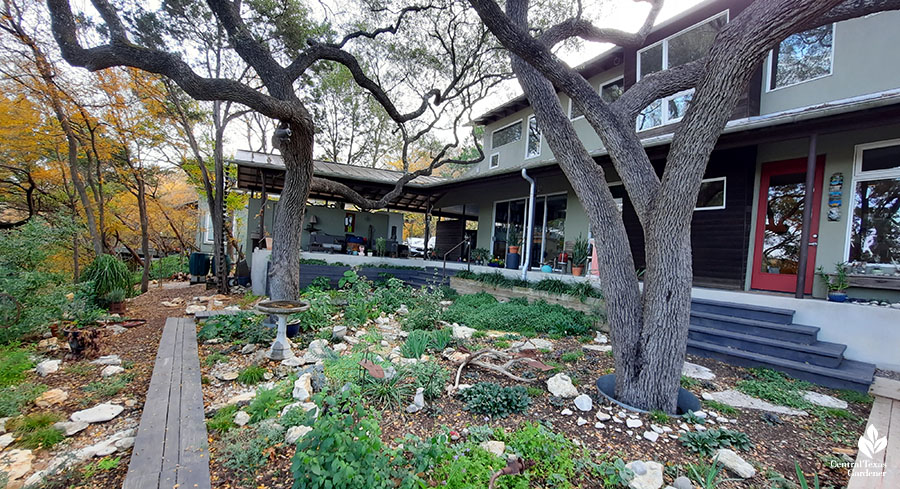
[[880, 467], [171, 446]]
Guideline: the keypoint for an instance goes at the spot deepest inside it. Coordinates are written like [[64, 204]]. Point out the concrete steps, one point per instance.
[[758, 336]]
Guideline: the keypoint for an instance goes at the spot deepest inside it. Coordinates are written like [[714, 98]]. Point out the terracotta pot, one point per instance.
[[578, 271], [514, 249]]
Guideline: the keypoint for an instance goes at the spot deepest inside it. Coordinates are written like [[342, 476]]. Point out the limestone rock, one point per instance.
[[581, 421], [111, 370], [97, 414], [601, 338], [108, 360], [51, 397], [194, 309], [294, 433], [241, 418], [494, 446], [824, 400], [584, 402], [248, 349], [418, 401], [303, 387], [682, 482], [651, 436], [740, 400], [227, 376], [462, 332], [70, 428], [47, 367], [532, 344], [598, 348], [602, 416], [735, 463], [560, 385], [566, 412], [647, 475], [6, 440], [16, 463], [633, 423], [695, 371], [339, 332]]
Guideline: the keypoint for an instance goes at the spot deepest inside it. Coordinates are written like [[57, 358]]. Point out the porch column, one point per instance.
[[427, 229], [809, 190]]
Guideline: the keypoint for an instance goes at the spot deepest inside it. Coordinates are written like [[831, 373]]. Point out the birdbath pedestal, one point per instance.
[[280, 347]]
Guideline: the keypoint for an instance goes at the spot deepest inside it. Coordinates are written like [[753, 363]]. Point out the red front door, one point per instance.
[[779, 223]]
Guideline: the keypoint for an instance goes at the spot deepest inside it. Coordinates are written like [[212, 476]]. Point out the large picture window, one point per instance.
[[688, 45], [506, 135], [802, 57], [875, 223], [533, 143]]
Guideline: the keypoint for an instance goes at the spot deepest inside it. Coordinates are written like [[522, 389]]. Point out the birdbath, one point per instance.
[[280, 347]]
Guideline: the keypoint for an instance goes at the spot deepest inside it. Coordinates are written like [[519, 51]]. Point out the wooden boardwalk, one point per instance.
[[885, 417], [171, 447]]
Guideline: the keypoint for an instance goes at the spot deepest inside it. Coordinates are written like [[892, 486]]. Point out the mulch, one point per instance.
[[137, 347], [775, 446]]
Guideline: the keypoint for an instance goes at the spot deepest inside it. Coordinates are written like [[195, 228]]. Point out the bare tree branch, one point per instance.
[[579, 27]]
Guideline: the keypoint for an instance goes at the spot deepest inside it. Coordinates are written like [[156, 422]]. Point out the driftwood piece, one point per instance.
[[479, 359], [514, 466]]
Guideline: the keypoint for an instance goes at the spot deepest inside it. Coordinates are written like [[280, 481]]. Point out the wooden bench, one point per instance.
[[171, 446], [885, 417]]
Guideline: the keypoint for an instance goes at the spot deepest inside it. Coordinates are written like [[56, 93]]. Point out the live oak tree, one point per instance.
[[650, 324], [453, 70]]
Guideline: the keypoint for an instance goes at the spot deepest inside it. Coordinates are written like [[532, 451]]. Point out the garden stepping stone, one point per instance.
[[294, 433], [584, 403], [51, 397], [734, 463], [494, 446], [647, 475], [111, 370], [70, 428], [560, 385], [108, 360], [47, 367], [740, 400], [598, 348], [98, 414], [695, 371], [824, 400]]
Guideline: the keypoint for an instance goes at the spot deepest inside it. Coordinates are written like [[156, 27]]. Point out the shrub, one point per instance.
[[440, 339], [296, 416], [430, 376], [35, 430], [556, 455], [416, 344], [223, 420], [269, 402], [108, 273], [775, 387], [386, 392], [424, 313], [707, 442], [14, 363], [243, 326], [14, 397], [482, 311], [251, 375], [245, 451], [474, 468], [319, 313], [168, 266], [494, 400]]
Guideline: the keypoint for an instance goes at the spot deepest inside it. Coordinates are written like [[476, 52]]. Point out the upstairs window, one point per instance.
[[802, 57], [533, 146], [506, 135], [688, 45], [611, 91]]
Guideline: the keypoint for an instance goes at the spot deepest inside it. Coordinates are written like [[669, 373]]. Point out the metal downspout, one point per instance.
[[529, 240]]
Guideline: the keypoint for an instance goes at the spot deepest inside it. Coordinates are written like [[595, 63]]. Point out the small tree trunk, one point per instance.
[[297, 151], [145, 231]]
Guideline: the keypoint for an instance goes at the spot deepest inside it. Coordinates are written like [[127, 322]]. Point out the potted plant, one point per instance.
[[513, 240], [579, 256], [837, 283], [495, 262], [480, 255], [380, 246], [115, 299]]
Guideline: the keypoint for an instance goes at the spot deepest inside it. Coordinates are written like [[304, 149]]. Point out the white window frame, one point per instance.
[[770, 58], [491, 164], [571, 108], [863, 176], [209, 235], [502, 128], [665, 66], [724, 194], [527, 199], [528, 135], [610, 81]]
